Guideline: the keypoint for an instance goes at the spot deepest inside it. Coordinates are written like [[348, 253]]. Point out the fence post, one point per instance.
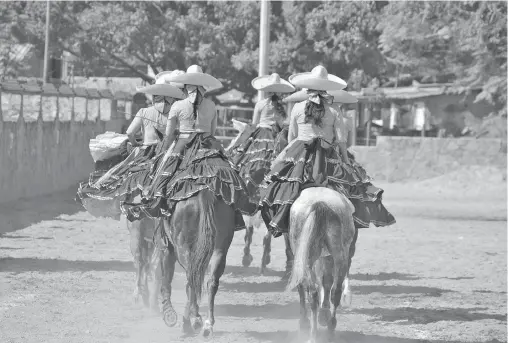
[[1, 114], [368, 122], [20, 149], [355, 123]]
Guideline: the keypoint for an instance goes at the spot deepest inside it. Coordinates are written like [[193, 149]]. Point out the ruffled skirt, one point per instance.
[[106, 188], [254, 156], [315, 163], [195, 164]]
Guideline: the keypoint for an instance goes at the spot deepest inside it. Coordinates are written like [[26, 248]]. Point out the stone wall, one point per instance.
[[414, 158]]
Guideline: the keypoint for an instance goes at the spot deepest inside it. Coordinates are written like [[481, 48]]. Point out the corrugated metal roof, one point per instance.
[[401, 93]]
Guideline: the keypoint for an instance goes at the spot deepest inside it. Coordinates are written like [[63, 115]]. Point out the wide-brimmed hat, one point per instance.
[[318, 79], [272, 83], [339, 96], [195, 76], [163, 86]]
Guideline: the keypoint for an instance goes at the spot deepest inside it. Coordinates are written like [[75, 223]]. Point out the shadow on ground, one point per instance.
[[271, 311], [411, 315], [342, 337], [384, 277], [255, 287], [22, 213], [21, 265], [251, 271], [399, 289]]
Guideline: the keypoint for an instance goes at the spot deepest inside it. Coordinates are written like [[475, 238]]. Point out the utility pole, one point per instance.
[[264, 40], [45, 75]]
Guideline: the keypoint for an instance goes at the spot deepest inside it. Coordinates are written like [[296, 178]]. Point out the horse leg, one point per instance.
[[336, 296], [325, 265], [168, 270], [218, 264], [304, 321], [186, 325], [135, 245], [267, 247], [347, 295], [153, 279], [289, 257], [247, 257], [314, 305]]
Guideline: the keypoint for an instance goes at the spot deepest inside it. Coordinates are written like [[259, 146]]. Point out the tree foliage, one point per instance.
[[368, 43]]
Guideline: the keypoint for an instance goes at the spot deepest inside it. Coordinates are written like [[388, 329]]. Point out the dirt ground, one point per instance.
[[438, 275]]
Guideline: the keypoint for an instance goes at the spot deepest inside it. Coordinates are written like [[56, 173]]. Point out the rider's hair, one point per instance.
[[314, 113]]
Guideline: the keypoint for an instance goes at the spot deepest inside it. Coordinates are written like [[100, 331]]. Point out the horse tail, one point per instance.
[[204, 242], [309, 244]]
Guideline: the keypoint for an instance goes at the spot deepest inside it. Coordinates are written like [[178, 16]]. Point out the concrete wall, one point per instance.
[[43, 157], [44, 140], [415, 158]]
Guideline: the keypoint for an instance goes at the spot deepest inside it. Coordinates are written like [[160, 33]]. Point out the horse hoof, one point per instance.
[[197, 324], [170, 317], [330, 335], [347, 299], [304, 325], [247, 260], [208, 330], [324, 317], [266, 260], [136, 295]]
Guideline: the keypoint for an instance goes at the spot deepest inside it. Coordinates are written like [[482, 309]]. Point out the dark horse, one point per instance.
[[321, 236], [256, 222], [200, 232], [148, 271]]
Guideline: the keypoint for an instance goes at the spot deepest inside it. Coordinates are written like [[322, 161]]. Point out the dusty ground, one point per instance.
[[439, 275]]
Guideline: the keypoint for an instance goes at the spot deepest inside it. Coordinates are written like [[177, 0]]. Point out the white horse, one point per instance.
[[321, 235]]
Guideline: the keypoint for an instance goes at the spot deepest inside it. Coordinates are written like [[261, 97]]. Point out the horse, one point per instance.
[[146, 262], [200, 232], [255, 221], [321, 235]]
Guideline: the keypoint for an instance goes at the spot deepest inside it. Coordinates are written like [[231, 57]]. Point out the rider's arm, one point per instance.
[[213, 126], [134, 127], [257, 114], [341, 133], [171, 127], [293, 125]]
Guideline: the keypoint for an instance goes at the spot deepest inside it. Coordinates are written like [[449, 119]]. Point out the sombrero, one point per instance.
[[163, 86], [318, 79], [195, 76], [272, 83], [339, 96]]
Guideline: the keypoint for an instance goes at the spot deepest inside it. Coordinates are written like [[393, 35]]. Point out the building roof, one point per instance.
[[416, 91]]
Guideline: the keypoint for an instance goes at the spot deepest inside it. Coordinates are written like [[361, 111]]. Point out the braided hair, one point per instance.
[[315, 107], [276, 103], [314, 113]]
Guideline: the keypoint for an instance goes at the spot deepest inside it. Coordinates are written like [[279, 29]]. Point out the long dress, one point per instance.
[[254, 156], [126, 176], [312, 160], [196, 162]]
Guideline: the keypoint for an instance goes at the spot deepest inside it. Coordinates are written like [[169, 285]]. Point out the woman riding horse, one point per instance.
[[200, 197], [102, 194], [269, 133], [254, 154], [197, 160], [317, 157], [346, 126]]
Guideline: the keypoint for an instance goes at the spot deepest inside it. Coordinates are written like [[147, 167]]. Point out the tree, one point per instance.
[[463, 42]]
